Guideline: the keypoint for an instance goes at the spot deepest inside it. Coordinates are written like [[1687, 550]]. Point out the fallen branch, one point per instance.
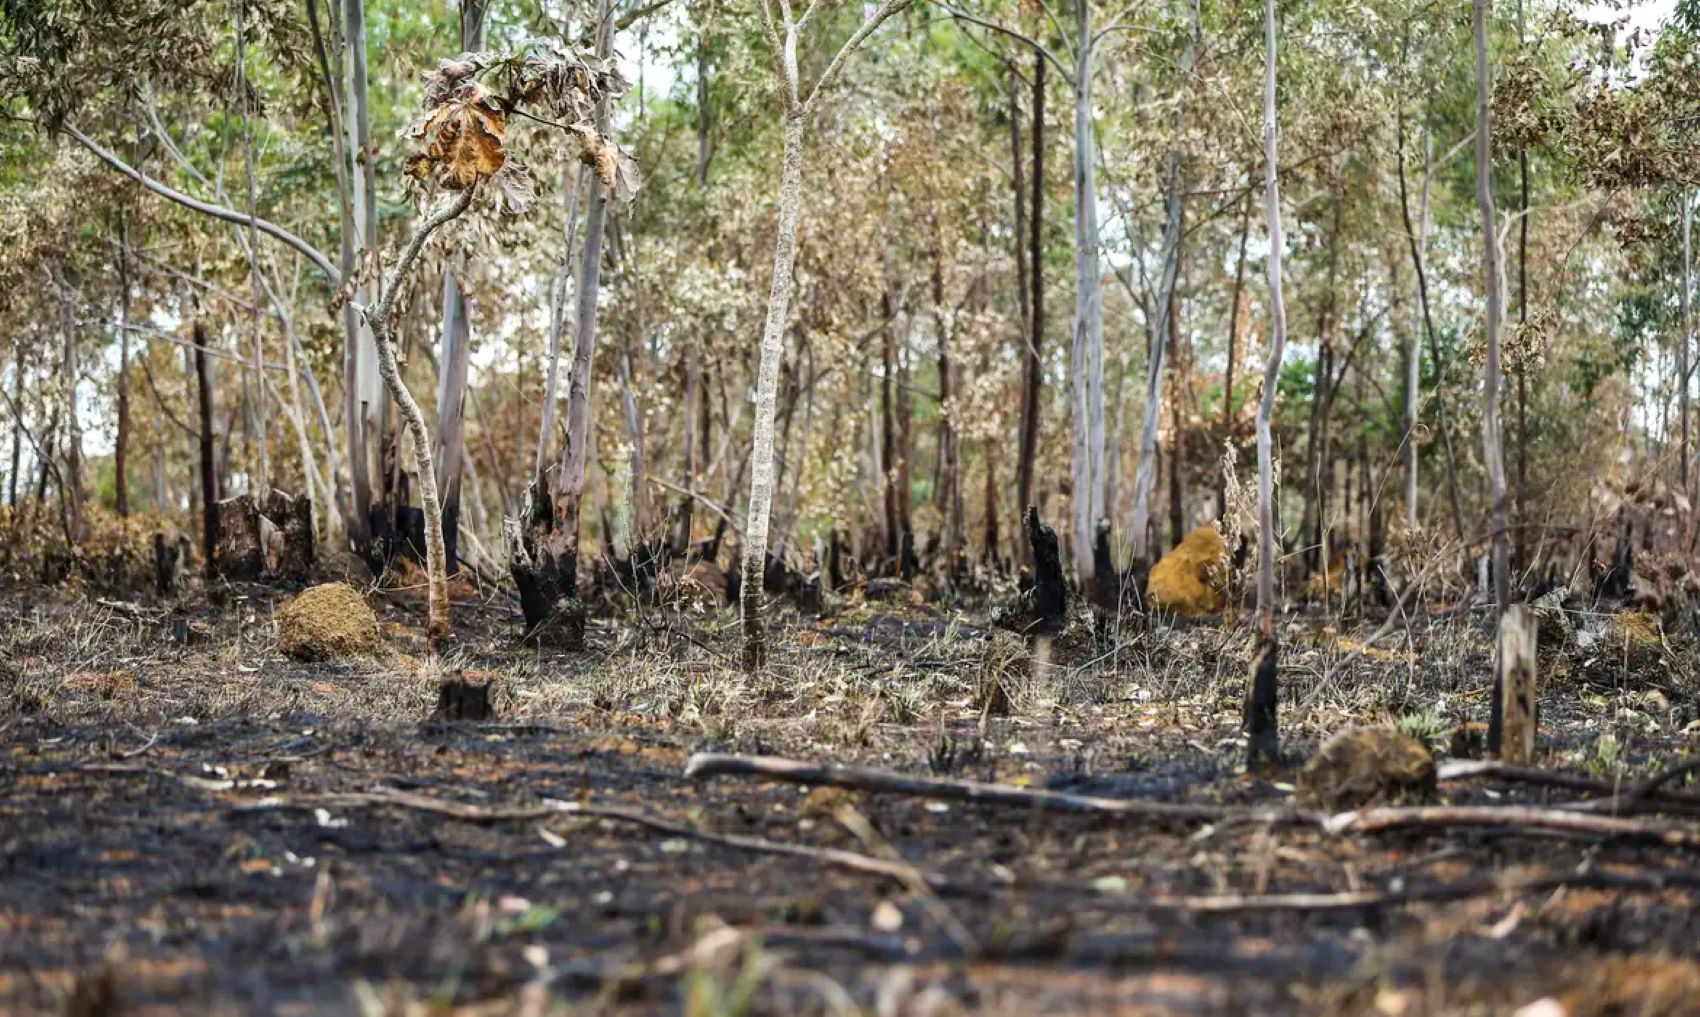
[[899, 872], [1356, 900], [1512, 817], [1647, 796], [856, 778]]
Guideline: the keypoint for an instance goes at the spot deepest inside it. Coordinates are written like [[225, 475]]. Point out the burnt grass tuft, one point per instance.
[[141, 867]]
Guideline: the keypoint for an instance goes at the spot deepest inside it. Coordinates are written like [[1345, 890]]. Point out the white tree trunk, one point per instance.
[[1086, 360], [1493, 456], [364, 398], [767, 387], [1145, 474], [1266, 536]]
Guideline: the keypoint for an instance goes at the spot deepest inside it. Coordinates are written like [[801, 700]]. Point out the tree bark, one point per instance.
[[363, 392], [950, 451]]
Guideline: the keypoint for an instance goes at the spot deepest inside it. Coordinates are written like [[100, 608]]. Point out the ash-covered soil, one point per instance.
[[212, 828]]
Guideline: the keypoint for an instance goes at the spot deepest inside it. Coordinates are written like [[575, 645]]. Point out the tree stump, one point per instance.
[[544, 564], [1263, 739], [1042, 610], [459, 699], [1516, 679], [170, 558], [293, 518], [240, 550]]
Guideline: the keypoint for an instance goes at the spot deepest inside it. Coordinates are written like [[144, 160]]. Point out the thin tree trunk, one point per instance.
[[580, 379], [1034, 378], [1233, 348], [1318, 474], [1086, 361], [70, 371], [1521, 514], [381, 318], [888, 425], [1686, 336], [364, 402], [258, 405], [1492, 448], [354, 500], [1418, 237], [950, 452], [754, 549], [209, 475], [18, 431], [1163, 331], [1261, 698], [454, 360], [121, 442], [558, 318]]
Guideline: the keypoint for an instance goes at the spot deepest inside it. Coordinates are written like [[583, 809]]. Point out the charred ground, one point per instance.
[[180, 831]]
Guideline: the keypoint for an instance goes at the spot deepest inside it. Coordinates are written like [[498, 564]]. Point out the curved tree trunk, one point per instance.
[[381, 319]]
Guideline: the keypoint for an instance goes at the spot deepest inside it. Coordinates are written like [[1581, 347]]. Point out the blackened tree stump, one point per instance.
[[239, 552], [460, 699], [293, 518]]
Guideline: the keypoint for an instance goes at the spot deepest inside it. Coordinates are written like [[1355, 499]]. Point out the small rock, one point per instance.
[[329, 622], [1366, 765]]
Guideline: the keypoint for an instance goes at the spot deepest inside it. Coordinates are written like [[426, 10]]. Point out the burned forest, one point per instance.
[[870, 508]]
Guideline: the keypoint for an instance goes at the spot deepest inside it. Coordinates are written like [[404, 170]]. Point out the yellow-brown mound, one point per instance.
[[1365, 765], [1193, 578], [329, 622]]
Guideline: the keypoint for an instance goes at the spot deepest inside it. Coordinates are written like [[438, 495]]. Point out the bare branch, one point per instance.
[[449, 211], [1065, 69], [313, 254]]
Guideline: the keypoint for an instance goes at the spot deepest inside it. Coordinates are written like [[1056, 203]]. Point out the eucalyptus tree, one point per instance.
[[1263, 744], [783, 30]]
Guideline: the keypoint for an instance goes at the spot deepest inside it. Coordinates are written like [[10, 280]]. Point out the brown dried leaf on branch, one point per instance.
[[463, 142], [615, 169]]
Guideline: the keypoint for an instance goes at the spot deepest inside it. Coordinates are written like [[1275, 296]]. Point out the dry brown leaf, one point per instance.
[[463, 143]]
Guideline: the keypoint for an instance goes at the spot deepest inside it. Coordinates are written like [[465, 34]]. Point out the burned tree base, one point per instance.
[[240, 553], [562, 627], [293, 552], [543, 560], [1263, 739], [254, 545], [460, 699], [1042, 609], [170, 559]]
